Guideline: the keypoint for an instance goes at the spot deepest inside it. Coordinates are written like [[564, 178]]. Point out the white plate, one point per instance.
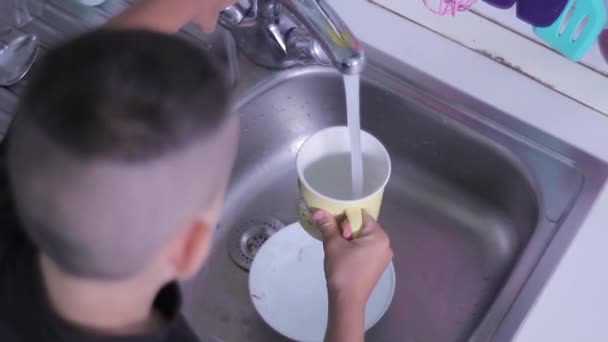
[[287, 286]]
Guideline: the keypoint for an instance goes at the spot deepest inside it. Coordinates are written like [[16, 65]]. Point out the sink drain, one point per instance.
[[245, 241]]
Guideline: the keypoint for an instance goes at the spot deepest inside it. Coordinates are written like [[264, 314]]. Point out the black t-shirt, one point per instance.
[[25, 313]]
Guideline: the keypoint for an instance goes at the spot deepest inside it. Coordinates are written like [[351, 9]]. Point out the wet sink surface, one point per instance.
[[469, 207]]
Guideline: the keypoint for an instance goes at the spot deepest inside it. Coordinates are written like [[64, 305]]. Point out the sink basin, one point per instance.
[[479, 207]]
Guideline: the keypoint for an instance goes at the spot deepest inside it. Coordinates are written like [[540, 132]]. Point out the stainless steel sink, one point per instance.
[[479, 206]]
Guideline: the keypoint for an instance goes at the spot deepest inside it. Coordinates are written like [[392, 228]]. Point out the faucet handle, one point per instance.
[[277, 37], [302, 47], [234, 14]]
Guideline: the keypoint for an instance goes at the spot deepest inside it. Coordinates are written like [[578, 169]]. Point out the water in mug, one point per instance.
[[351, 88], [331, 176]]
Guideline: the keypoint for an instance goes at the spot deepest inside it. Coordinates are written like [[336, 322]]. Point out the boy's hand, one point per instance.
[[170, 16], [207, 18], [353, 267]]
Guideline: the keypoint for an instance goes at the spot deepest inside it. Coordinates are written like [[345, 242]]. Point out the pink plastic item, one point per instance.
[[449, 7]]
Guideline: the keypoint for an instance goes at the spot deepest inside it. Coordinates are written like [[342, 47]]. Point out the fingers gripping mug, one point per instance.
[[325, 182]]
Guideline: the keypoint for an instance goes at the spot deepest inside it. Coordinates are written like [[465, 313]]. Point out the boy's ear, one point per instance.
[[191, 248], [189, 251]]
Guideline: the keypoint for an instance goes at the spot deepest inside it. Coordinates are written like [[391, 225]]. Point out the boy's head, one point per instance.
[[120, 153]]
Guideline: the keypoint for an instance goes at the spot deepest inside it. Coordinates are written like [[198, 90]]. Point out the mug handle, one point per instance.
[[355, 218]]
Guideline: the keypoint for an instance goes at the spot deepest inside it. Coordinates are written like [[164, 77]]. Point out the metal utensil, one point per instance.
[[18, 52], [576, 29]]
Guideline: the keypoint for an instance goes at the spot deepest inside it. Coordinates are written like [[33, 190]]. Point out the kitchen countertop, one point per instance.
[[499, 34], [573, 304]]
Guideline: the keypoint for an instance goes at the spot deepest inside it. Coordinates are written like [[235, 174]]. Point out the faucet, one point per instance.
[[284, 33]]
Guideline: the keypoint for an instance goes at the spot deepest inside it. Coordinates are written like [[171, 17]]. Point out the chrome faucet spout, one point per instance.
[[336, 39]]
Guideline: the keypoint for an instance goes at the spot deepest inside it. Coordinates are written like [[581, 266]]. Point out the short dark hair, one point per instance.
[[120, 138], [129, 95]]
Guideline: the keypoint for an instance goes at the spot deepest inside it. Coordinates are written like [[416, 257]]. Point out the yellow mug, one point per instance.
[[325, 182]]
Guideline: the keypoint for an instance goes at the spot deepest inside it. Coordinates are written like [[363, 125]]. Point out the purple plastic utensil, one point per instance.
[[540, 13], [504, 4], [603, 41]]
